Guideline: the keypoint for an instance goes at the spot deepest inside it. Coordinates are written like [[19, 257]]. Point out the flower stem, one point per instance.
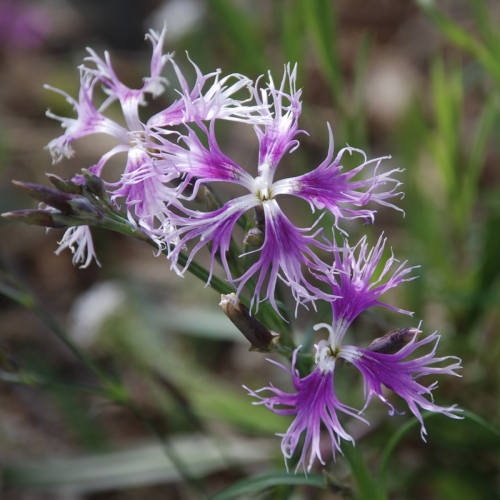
[[36, 380], [367, 489], [179, 464]]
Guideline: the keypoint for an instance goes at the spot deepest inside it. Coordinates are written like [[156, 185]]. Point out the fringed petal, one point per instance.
[[284, 252], [350, 278], [79, 240], [401, 376], [89, 121], [278, 136], [326, 187]]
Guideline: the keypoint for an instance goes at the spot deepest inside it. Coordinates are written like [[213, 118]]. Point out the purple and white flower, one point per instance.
[[144, 187], [315, 403], [286, 248]]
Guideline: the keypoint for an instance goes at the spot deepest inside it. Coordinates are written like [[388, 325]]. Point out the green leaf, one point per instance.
[[243, 33], [480, 141], [359, 125], [461, 38], [483, 17], [15, 295], [143, 464], [255, 484], [488, 271], [292, 34], [447, 100], [323, 29]]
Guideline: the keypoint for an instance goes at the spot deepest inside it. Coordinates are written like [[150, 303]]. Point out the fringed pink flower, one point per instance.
[[148, 198], [286, 249], [400, 376], [314, 403], [351, 279]]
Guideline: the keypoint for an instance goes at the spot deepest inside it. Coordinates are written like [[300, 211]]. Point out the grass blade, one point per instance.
[[255, 484]]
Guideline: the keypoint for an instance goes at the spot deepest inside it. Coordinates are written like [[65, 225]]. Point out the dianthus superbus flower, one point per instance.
[[286, 249], [315, 403], [148, 198]]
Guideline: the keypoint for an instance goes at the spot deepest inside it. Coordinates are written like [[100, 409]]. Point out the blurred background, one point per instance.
[[417, 80]]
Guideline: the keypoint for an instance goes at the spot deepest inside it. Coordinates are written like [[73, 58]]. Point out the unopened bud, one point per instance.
[[64, 185], [35, 217], [82, 207], [94, 183], [254, 237], [394, 341], [47, 195], [261, 338]]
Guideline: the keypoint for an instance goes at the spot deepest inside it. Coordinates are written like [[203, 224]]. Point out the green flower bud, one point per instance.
[[94, 184], [64, 185], [47, 195], [254, 237], [36, 217]]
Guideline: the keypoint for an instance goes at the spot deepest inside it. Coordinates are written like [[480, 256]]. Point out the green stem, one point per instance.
[[30, 379], [179, 464], [200, 272], [22, 295], [194, 268], [50, 321], [389, 448], [367, 489], [479, 420]]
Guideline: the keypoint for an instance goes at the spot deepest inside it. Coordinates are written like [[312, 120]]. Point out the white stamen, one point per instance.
[[325, 356], [263, 183]]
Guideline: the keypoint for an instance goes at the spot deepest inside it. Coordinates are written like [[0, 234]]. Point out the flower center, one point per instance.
[[327, 351], [263, 183], [326, 355]]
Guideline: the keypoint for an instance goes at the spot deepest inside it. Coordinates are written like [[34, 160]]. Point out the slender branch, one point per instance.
[[179, 464], [37, 380], [23, 296]]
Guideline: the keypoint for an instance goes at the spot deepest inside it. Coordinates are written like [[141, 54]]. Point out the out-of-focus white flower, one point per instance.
[[183, 17], [91, 309]]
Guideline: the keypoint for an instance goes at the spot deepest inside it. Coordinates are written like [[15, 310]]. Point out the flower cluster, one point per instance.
[[165, 169], [174, 153], [383, 363]]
